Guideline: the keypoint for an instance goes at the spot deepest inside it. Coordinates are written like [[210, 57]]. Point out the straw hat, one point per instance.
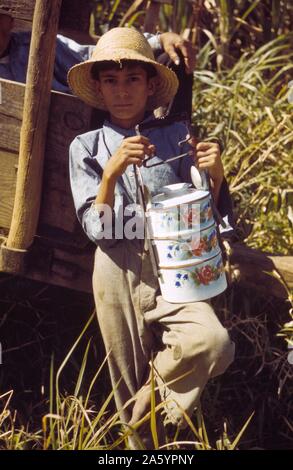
[[118, 44]]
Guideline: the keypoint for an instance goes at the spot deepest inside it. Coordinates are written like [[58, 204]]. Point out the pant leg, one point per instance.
[[194, 343], [123, 290]]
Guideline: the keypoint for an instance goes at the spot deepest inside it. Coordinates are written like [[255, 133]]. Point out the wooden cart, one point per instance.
[[40, 237]]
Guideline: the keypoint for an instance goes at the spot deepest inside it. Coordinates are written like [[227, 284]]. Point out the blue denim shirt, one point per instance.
[[68, 53], [89, 154]]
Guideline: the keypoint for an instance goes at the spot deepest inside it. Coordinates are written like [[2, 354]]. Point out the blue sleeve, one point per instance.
[[154, 42], [85, 179], [68, 54]]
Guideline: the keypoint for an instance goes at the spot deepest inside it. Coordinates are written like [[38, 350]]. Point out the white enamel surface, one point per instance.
[[175, 189], [178, 285], [189, 248], [168, 222], [195, 177], [162, 200]]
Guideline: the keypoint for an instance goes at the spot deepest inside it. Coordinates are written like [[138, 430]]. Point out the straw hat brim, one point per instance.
[[84, 86]]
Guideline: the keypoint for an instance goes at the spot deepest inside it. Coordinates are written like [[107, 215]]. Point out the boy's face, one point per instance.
[[6, 24], [125, 93]]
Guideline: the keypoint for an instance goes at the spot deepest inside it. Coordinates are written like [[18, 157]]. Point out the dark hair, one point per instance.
[[129, 63]]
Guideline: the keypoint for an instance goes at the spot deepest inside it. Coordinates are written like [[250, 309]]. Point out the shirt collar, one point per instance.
[[112, 130]]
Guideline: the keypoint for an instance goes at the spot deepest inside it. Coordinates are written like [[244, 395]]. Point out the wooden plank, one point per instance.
[[11, 98], [21, 9], [251, 267], [60, 267], [11, 106], [10, 132], [22, 25], [8, 165], [68, 118]]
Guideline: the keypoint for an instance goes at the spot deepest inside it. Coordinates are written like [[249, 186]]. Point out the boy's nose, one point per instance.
[[122, 92]]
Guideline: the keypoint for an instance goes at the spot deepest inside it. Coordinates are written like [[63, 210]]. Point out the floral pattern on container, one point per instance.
[[168, 219], [190, 215], [187, 249], [200, 276]]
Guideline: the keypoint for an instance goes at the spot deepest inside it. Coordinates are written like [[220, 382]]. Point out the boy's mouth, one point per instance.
[[124, 105]]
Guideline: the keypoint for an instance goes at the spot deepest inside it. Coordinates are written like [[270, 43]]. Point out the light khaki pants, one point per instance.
[[136, 322]]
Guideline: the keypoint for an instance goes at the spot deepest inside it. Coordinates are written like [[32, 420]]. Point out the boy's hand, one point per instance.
[[208, 157], [131, 151]]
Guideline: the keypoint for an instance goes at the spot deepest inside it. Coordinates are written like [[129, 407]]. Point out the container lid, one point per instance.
[[175, 194]]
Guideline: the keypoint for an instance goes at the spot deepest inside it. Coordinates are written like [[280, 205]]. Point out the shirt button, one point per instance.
[[131, 174]]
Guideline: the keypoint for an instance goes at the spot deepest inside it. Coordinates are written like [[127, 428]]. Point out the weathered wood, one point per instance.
[[8, 171], [21, 9], [10, 133], [22, 25], [11, 110], [34, 125], [252, 267], [68, 117], [12, 98], [73, 269], [60, 267]]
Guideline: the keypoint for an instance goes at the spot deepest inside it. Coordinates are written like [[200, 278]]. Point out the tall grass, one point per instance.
[[74, 422], [247, 107]]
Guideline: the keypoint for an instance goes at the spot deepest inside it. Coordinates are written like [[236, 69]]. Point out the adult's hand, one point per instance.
[[172, 43]]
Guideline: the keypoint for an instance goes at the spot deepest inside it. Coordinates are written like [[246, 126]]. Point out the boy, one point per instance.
[[187, 340]]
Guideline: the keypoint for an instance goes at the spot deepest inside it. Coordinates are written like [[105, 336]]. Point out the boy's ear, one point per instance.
[[152, 85]]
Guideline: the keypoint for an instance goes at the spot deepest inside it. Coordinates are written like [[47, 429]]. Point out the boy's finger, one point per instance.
[[139, 139], [192, 141], [205, 164], [206, 153], [136, 153], [205, 145], [149, 150]]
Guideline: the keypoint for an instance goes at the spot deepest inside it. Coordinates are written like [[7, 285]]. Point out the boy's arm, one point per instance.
[[220, 190], [86, 181], [97, 200]]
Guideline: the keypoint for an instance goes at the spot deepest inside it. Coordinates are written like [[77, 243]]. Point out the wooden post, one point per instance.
[[33, 136]]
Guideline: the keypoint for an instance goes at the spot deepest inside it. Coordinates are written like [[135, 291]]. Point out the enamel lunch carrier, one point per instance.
[[185, 240], [183, 237]]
